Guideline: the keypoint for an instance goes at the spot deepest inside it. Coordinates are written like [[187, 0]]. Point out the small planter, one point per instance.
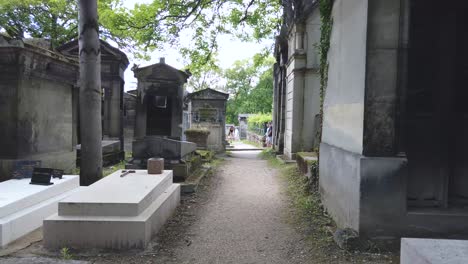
[[198, 136]]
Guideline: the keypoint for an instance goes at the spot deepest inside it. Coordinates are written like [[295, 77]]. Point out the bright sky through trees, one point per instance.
[[230, 50]]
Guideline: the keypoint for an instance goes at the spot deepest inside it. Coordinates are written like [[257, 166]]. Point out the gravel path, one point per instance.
[[244, 221], [238, 216]]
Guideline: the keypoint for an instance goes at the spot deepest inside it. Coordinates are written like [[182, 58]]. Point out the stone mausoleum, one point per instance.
[[296, 101], [158, 121], [392, 158], [37, 107], [207, 110], [113, 64]]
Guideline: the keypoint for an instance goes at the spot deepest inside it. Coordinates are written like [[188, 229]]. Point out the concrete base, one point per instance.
[[99, 218], [23, 206], [305, 160], [368, 194], [433, 251]]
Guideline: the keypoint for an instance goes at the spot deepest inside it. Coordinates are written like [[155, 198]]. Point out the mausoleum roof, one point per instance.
[[107, 50], [160, 71], [208, 94]]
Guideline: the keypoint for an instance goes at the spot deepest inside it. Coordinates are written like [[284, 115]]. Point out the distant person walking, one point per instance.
[[231, 134], [269, 135]]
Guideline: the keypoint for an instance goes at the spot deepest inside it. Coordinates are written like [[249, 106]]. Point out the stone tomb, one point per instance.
[[114, 213], [432, 251], [113, 65], [158, 120], [24, 206], [207, 109], [37, 107], [111, 152]]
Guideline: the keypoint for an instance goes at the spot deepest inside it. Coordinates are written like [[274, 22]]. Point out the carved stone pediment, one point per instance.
[[161, 72], [208, 94]]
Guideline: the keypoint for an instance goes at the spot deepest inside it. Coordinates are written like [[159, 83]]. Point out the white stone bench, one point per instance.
[[24, 206], [433, 251], [114, 213]]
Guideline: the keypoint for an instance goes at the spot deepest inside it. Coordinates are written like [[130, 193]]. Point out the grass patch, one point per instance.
[[308, 210], [253, 143], [111, 169], [308, 216], [270, 155]]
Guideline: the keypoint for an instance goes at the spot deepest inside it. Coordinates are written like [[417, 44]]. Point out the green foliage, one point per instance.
[[65, 253], [326, 7], [250, 83], [51, 19], [256, 123], [147, 26], [111, 169], [258, 120]]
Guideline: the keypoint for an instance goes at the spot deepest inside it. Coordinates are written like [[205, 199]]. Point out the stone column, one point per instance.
[[381, 89]]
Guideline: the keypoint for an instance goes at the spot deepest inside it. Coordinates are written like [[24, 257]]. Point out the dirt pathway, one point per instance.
[[244, 221], [238, 216]]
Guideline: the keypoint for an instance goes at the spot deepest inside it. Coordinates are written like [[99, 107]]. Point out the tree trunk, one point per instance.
[[90, 93]]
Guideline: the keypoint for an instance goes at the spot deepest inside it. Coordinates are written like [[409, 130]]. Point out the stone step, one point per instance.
[[26, 220], [111, 232], [433, 251], [117, 196], [16, 195]]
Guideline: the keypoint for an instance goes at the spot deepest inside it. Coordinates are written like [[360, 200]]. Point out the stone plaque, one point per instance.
[[42, 176]]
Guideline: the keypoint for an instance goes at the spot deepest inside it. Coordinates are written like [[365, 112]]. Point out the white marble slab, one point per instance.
[[433, 251], [24, 206], [16, 195], [117, 196], [111, 232]]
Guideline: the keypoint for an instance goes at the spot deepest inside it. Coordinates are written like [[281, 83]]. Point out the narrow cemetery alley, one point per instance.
[[241, 218], [240, 214]]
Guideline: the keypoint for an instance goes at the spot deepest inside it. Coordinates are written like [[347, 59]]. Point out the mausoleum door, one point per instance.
[[158, 115], [458, 183], [436, 122]]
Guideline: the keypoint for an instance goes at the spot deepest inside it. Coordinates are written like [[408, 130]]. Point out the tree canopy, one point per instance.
[[148, 26], [250, 83]]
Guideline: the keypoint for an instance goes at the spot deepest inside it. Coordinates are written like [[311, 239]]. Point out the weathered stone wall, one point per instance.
[[312, 84], [9, 82], [303, 86], [38, 112], [344, 101], [362, 179], [214, 102], [343, 121]]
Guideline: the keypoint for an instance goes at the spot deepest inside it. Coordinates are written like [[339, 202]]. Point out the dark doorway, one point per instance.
[[435, 126], [159, 116]]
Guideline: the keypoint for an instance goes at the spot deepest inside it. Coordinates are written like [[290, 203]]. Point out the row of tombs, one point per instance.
[[393, 159], [39, 110], [40, 146]]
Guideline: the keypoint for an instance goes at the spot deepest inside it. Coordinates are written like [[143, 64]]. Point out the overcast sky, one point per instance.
[[229, 51]]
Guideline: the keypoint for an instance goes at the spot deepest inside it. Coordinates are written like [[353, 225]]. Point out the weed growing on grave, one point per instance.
[[111, 169], [65, 253]]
